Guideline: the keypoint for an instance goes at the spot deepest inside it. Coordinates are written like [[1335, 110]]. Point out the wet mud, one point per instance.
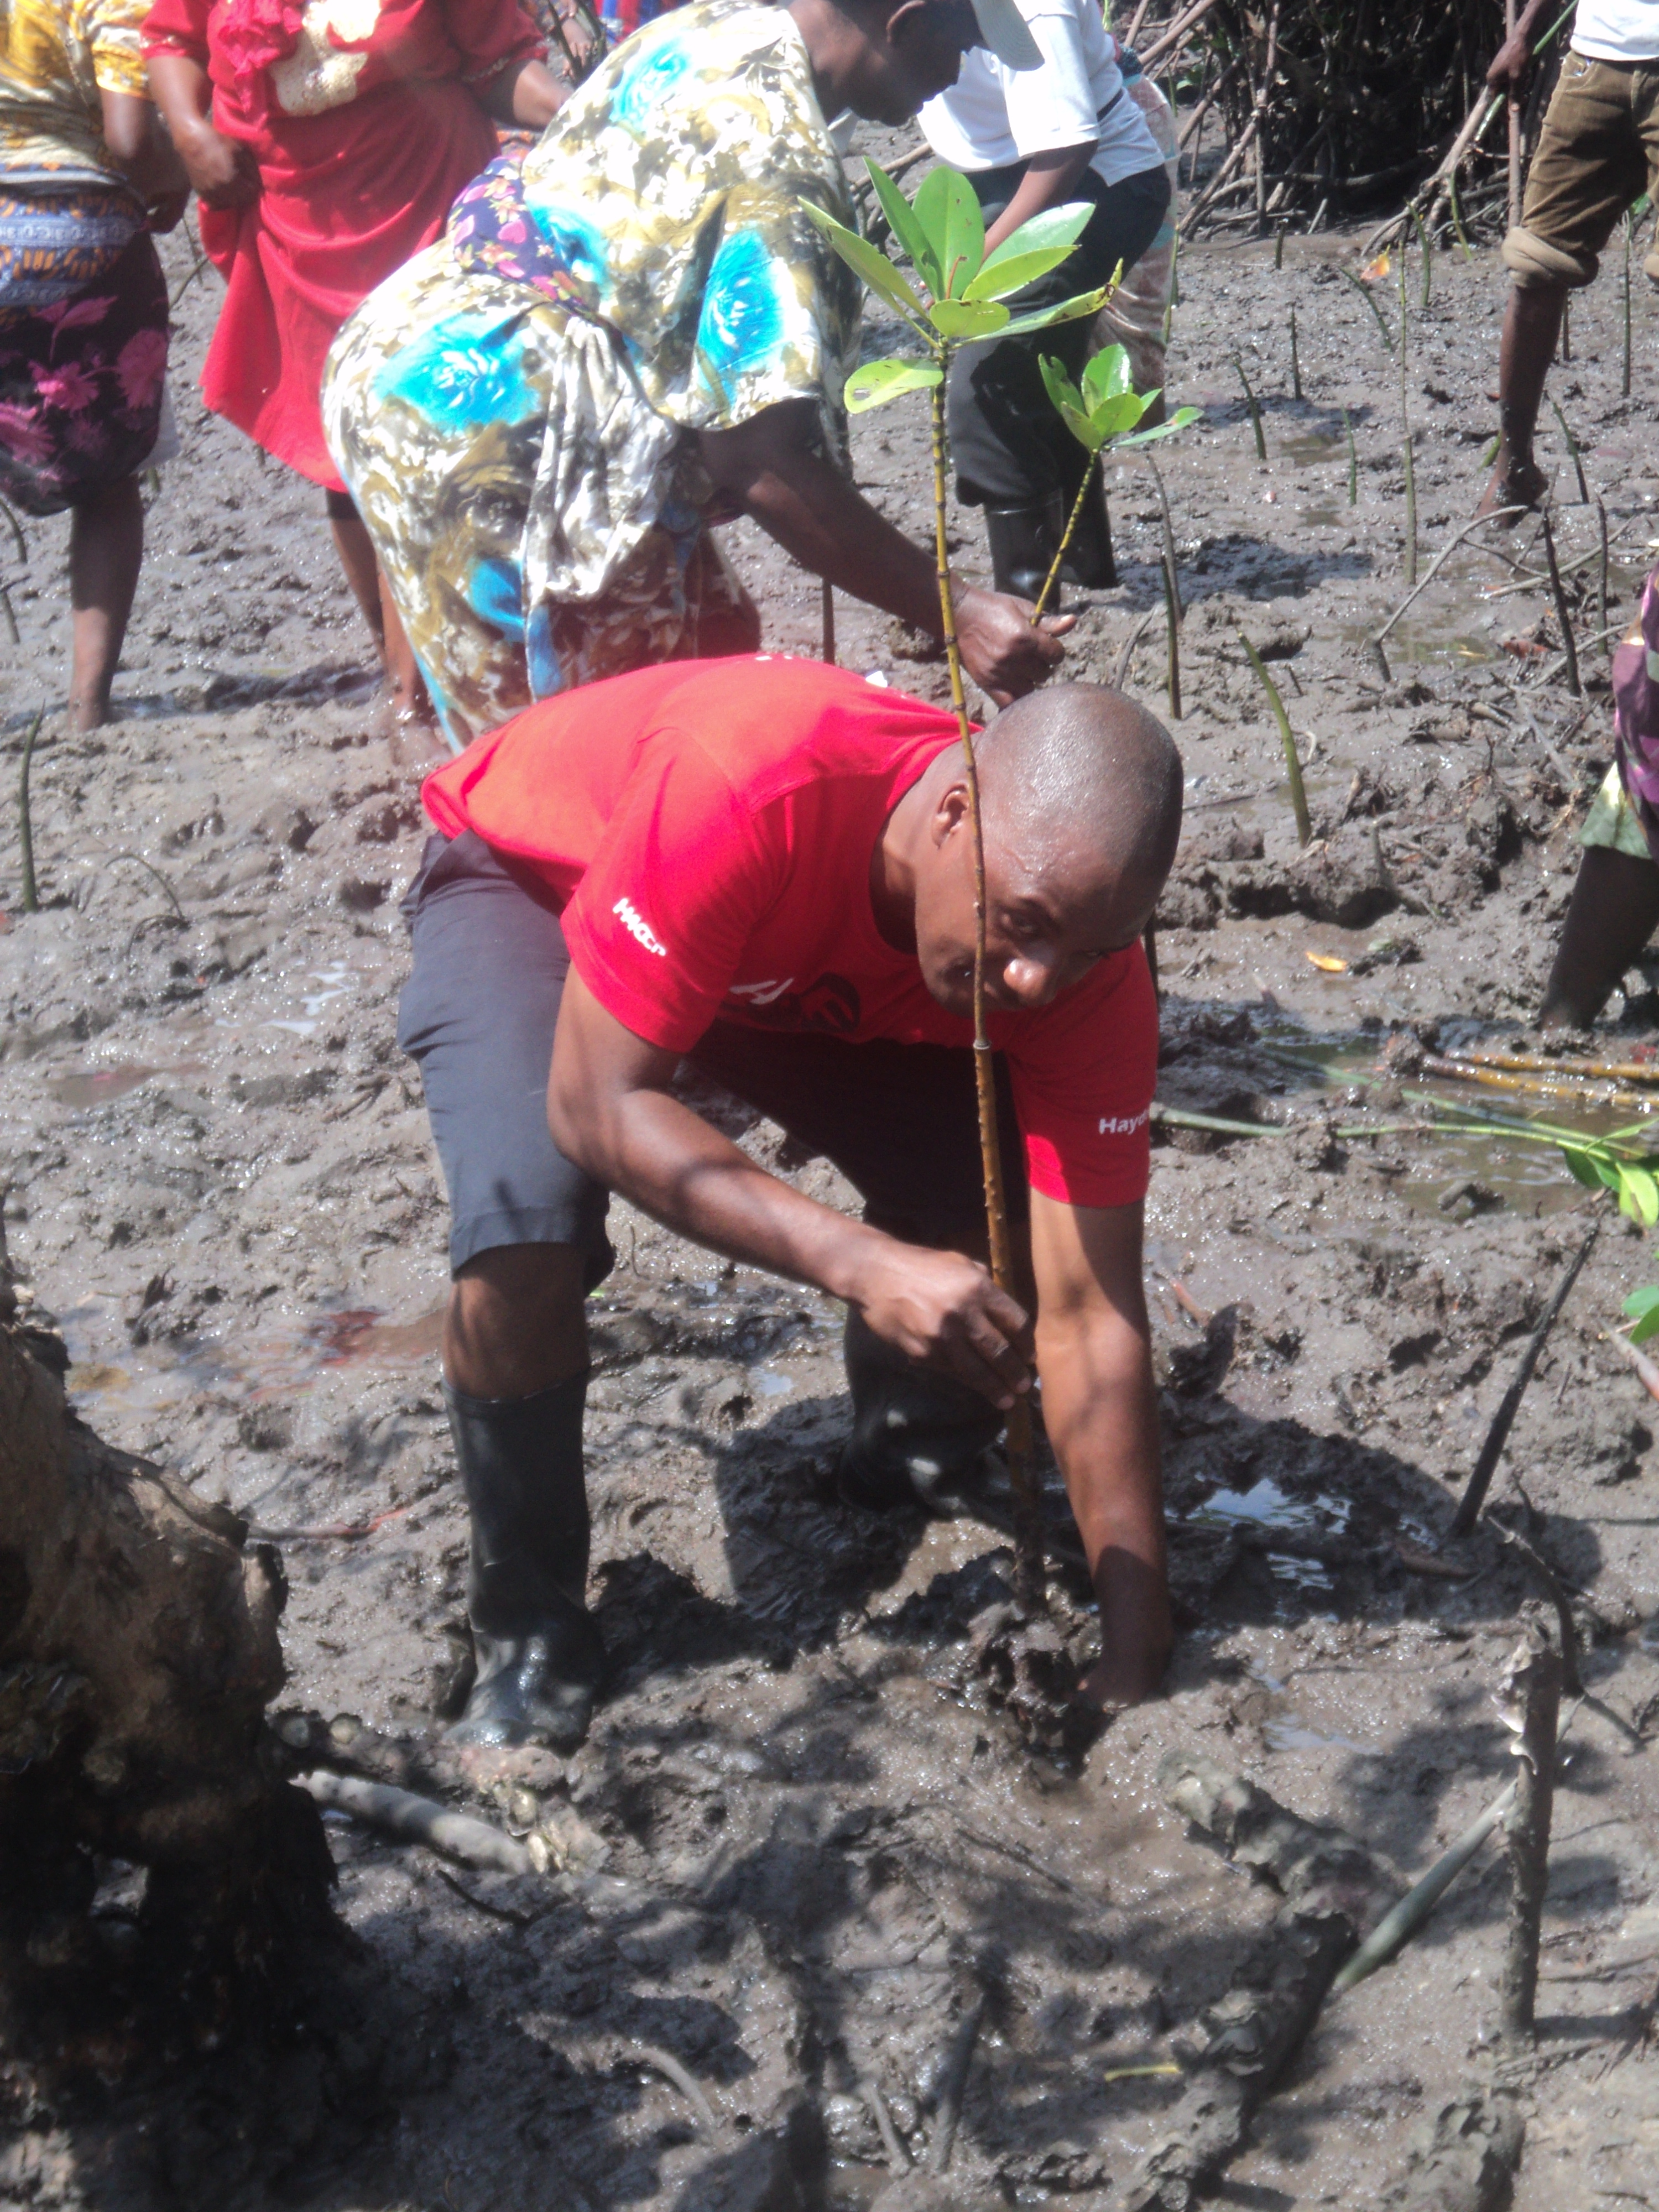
[[799, 1850]]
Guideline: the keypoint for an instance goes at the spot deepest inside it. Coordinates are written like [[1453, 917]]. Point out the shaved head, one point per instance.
[[1080, 801], [1081, 787]]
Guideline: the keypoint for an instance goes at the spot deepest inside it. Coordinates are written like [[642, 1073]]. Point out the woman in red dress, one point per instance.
[[326, 142]]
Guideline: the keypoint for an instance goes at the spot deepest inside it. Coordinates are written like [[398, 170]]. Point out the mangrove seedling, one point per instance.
[[25, 825], [1353, 460], [1292, 764], [1101, 416], [1573, 454], [1296, 360], [942, 233], [1255, 411], [1369, 297]]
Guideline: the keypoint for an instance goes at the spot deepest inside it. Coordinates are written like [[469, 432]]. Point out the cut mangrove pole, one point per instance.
[[415, 1820], [1474, 1495], [1326, 1880], [1532, 1695]]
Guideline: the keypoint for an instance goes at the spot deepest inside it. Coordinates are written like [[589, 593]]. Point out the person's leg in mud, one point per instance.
[[409, 702], [527, 1242], [1613, 913], [901, 1122], [1013, 458], [1589, 167], [107, 550]]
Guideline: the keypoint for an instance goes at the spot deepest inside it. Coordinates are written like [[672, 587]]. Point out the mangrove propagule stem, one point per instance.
[[1292, 764], [1169, 534], [1364, 292], [1028, 1574], [1605, 1071], [1428, 259], [1572, 450], [1527, 1833], [1396, 1928], [1296, 360], [1255, 411], [1602, 524], [1623, 374], [25, 824], [1558, 592], [827, 595], [1534, 1086], [1353, 460], [1411, 510], [1172, 621], [1474, 1495], [1065, 544]]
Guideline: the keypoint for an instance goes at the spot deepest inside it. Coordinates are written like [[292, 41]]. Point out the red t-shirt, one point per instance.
[[708, 828]]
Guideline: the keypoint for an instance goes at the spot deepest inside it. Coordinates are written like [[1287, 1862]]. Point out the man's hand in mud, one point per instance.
[[223, 171], [945, 1310], [1005, 657]]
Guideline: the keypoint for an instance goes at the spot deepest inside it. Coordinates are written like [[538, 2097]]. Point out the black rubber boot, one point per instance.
[[540, 1660], [1023, 541], [1088, 561], [919, 1439]]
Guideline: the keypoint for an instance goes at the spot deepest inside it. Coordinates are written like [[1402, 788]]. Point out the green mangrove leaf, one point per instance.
[[878, 381], [1178, 420], [1069, 311], [1060, 386], [867, 261], [1581, 1165], [908, 232], [1638, 1196], [967, 318], [1643, 1307], [950, 217], [1644, 1329], [1117, 414], [1107, 374], [1031, 251], [1001, 280]]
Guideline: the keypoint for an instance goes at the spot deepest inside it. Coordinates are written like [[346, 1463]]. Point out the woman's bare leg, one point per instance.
[[106, 549], [409, 702], [1613, 913], [356, 550]]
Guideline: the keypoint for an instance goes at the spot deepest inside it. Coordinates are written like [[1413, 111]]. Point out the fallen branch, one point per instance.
[[418, 1820], [1451, 546], [1474, 1495], [1326, 1880]]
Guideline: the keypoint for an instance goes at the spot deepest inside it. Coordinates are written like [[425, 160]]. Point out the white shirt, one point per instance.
[[994, 116], [1617, 30]]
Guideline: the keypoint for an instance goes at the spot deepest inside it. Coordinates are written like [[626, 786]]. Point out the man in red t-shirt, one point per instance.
[[765, 866]]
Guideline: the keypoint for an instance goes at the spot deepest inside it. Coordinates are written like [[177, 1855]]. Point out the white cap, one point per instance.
[[1003, 29]]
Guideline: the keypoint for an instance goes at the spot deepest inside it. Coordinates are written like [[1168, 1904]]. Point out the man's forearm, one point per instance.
[[1100, 1408], [822, 521], [1050, 181]]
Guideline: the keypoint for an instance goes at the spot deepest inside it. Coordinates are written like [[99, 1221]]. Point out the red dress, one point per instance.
[[359, 116]]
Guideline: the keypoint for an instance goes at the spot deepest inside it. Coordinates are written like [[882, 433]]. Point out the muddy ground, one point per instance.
[[797, 1842]]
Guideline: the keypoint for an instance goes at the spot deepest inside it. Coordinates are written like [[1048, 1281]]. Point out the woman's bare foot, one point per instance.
[[1513, 483]]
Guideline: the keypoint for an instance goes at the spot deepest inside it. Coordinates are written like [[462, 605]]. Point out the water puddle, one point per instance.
[[98, 1086], [1265, 1507], [768, 1382], [281, 1362], [1312, 449], [336, 981]]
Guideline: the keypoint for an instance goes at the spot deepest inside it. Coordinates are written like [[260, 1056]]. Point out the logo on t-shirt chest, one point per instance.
[[830, 1005]]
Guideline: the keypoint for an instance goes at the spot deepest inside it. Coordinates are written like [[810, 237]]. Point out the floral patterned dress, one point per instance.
[[515, 412], [84, 306]]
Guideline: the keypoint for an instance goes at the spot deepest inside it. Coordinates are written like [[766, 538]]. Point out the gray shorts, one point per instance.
[[478, 1014]]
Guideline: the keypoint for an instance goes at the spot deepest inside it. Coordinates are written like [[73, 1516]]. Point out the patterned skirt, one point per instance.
[[83, 344]]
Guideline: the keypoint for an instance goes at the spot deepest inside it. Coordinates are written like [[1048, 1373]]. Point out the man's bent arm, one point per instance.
[[611, 1111], [1100, 1407]]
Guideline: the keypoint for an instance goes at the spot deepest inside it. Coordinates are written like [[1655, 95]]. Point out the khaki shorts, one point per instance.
[[1598, 152], [1613, 822]]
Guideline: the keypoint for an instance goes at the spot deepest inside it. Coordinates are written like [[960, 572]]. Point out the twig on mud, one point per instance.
[[1128, 654], [139, 862], [1474, 1497], [1430, 572], [1533, 1676], [1027, 1859], [953, 2086], [418, 1820], [685, 2081], [897, 2157], [326, 1532]]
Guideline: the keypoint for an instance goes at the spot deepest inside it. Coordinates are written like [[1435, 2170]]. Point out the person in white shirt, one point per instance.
[[1027, 140], [1598, 152]]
